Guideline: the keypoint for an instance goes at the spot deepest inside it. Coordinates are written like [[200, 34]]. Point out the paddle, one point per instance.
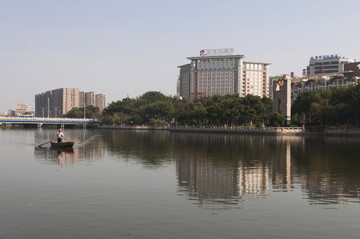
[[44, 143]]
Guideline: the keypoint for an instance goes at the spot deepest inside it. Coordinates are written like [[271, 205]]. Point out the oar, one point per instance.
[[44, 143]]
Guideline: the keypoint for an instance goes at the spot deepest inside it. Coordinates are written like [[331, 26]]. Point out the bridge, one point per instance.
[[45, 121]]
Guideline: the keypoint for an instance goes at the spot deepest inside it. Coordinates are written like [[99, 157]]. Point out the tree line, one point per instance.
[[335, 107], [155, 109]]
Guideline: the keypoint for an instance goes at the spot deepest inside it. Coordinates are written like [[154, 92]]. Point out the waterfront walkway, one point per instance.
[[224, 130]]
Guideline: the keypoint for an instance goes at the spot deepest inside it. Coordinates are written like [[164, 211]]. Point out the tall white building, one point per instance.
[[220, 72], [327, 64]]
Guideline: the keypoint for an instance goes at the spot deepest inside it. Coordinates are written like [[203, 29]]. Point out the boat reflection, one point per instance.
[[88, 148], [56, 156]]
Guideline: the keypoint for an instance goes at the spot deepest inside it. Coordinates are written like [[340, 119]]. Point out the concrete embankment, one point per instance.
[[221, 130], [342, 132], [243, 130]]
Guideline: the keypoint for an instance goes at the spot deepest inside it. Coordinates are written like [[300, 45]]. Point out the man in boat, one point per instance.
[[60, 136]]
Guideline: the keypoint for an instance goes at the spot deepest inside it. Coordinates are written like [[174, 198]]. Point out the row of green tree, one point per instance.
[[91, 112], [336, 107], [154, 108]]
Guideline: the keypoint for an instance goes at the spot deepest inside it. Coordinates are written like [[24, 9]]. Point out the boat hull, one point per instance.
[[63, 145]]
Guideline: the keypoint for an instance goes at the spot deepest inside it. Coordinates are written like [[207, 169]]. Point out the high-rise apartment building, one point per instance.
[[100, 101], [70, 98], [327, 64], [55, 103], [219, 72], [89, 98]]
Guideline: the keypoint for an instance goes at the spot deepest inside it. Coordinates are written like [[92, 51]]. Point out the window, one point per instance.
[[330, 67]]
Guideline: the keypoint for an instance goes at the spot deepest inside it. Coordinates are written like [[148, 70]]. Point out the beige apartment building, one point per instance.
[[55, 103], [220, 72], [100, 101], [23, 109]]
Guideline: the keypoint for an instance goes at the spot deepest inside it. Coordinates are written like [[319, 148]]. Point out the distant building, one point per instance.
[[55, 103], [11, 112], [22, 109], [89, 98], [327, 64], [100, 101], [219, 72]]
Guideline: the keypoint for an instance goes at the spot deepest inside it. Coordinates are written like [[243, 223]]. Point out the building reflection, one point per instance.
[[207, 181], [329, 177], [211, 183], [227, 170], [281, 174], [272, 171], [230, 169], [253, 181]]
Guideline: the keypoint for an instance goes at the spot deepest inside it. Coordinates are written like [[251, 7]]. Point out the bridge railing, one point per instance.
[[43, 119]]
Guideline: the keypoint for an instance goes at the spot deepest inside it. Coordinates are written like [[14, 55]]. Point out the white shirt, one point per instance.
[[60, 134]]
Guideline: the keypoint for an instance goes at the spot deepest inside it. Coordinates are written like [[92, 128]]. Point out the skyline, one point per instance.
[[126, 48]]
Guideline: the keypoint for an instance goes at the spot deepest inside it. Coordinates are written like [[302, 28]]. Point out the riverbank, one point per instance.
[[249, 130], [342, 132], [223, 130]]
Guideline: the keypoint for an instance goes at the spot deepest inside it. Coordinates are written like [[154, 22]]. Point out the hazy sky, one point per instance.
[[122, 48]]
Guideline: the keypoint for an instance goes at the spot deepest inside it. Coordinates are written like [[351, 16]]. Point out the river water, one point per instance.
[[157, 184]]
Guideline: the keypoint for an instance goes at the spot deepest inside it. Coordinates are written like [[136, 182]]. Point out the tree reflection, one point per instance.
[[227, 170]]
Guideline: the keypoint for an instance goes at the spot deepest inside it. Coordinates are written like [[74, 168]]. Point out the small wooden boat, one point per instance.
[[63, 145]]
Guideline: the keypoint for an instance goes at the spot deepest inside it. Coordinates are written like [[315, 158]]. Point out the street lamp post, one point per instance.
[[48, 108], [84, 109]]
